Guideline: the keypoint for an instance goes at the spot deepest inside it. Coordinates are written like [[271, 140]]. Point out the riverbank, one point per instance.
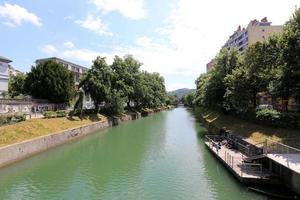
[[24, 139], [251, 132]]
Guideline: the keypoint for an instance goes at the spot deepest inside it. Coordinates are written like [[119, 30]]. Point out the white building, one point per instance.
[[4, 74], [77, 71]]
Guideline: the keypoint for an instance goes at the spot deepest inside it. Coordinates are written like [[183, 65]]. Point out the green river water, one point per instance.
[[158, 157]]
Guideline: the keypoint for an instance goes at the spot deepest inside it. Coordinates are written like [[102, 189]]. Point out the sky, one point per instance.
[[173, 37]]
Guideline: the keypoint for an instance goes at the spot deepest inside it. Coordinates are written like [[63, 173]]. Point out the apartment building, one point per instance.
[[77, 71], [210, 65], [254, 32], [4, 74]]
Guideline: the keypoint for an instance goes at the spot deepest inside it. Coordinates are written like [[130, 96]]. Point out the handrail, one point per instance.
[[281, 144]]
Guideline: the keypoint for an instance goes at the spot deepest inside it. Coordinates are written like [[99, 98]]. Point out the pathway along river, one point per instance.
[[161, 157]]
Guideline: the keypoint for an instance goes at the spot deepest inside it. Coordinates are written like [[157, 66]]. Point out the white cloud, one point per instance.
[[94, 24], [133, 9], [49, 49], [69, 45], [196, 30], [16, 15], [192, 34]]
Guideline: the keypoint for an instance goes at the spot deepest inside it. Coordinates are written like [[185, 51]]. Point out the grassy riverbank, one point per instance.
[[252, 132], [38, 127]]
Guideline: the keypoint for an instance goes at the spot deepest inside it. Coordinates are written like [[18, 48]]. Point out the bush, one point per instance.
[[268, 116], [19, 117], [5, 119], [12, 118], [61, 113], [50, 114]]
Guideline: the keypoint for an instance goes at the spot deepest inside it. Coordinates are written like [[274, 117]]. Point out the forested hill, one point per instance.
[[181, 92]]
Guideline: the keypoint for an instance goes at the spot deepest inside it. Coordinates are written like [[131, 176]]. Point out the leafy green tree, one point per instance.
[[226, 62], [126, 77], [238, 95], [286, 82], [97, 81], [189, 99], [50, 80], [16, 84]]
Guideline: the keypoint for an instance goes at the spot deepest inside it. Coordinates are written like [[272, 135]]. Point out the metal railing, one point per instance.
[[242, 168], [275, 147]]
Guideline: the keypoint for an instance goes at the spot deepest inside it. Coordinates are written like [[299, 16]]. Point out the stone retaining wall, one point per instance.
[[18, 151]]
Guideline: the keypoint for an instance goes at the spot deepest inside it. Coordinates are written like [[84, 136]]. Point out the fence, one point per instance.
[[274, 147], [236, 163]]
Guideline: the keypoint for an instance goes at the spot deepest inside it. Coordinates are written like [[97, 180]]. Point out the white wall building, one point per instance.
[[4, 74]]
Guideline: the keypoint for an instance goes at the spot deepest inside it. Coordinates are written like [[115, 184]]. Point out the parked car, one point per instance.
[[265, 106]]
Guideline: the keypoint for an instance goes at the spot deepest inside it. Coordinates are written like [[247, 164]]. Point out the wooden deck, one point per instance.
[[244, 172]]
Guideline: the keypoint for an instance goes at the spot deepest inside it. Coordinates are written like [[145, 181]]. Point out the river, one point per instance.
[[160, 157]]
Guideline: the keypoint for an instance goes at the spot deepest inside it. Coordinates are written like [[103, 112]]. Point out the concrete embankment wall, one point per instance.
[[12, 153]]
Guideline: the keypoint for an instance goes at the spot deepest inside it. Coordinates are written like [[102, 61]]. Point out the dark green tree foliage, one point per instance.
[[189, 99], [97, 81], [122, 83], [50, 80], [16, 85], [226, 62], [287, 79]]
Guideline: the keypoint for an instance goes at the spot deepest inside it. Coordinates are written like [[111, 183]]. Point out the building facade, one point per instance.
[[210, 65], [77, 71], [4, 74], [254, 32]]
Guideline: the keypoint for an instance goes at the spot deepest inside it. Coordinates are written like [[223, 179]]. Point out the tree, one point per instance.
[[215, 87], [78, 107], [16, 84], [255, 71], [50, 80], [97, 81], [189, 99], [238, 95], [126, 77], [286, 82]]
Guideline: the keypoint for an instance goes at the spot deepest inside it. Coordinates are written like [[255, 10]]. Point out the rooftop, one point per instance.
[[60, 60], [5, 59]]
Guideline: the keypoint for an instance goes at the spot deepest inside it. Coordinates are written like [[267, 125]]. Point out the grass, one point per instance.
[[38, 127], [252, 132]]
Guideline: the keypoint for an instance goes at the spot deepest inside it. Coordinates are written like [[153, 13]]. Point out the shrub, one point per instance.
[[268, 116], [12, 118], [19, 117], [5, 119], [50, 114], [61, 113]]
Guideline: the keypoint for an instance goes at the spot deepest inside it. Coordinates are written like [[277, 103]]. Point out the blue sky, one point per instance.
[[173, 37]]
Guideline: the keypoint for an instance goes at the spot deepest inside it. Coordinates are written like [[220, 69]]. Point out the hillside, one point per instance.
[[181, 92]]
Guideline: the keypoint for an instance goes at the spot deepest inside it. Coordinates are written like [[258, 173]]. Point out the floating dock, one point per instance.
[[237, 163]]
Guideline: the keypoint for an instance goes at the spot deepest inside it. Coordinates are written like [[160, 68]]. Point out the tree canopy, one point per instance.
[[50, 80], [123, 84]]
